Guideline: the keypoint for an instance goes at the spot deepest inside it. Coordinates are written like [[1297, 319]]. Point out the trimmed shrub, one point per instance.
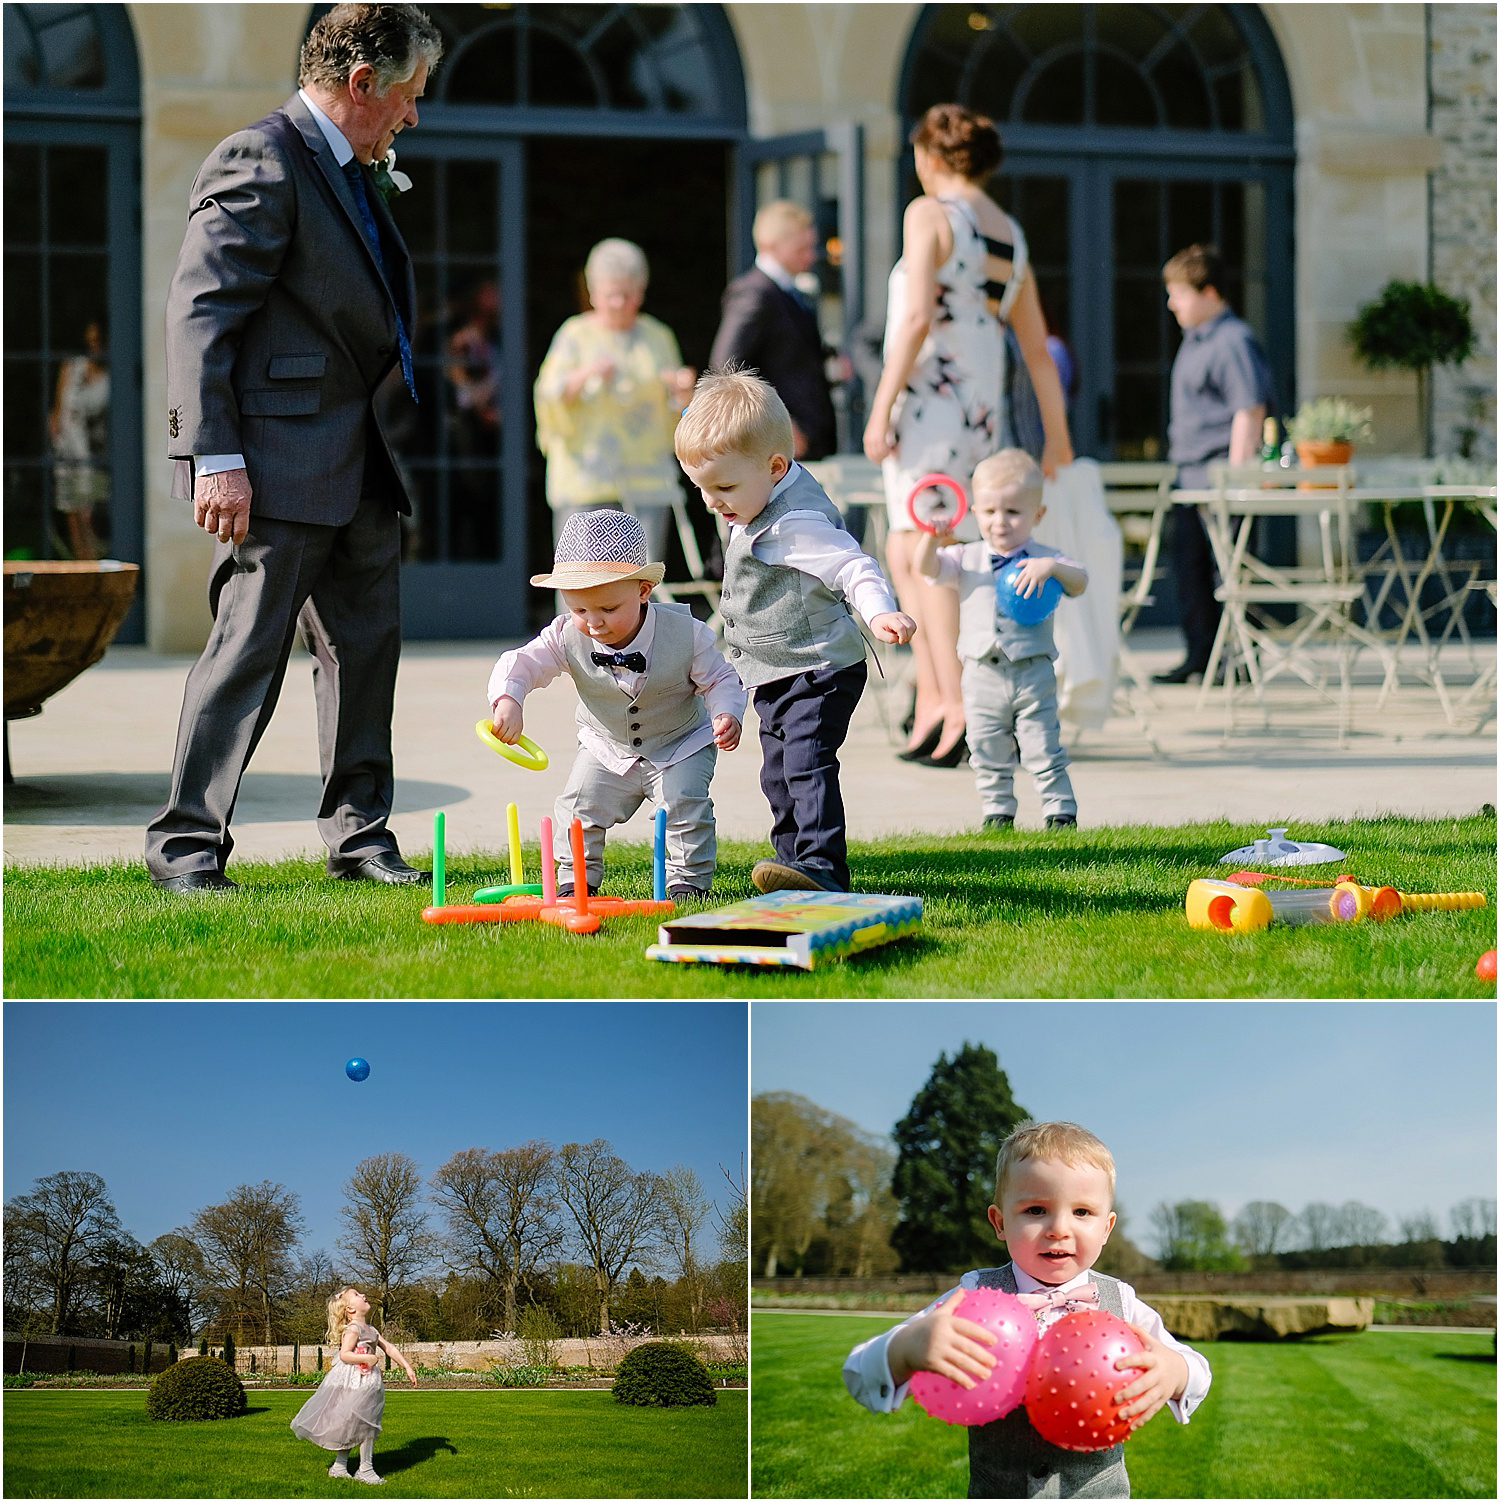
[[146, 1359], [662, 1375], [202, 1387], [172, 1353], [203, 1346], [296, 1358], [130, 1360], [229, 1351]]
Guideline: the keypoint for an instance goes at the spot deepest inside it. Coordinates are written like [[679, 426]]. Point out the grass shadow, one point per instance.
[[1484, 1358], [414, 1452]]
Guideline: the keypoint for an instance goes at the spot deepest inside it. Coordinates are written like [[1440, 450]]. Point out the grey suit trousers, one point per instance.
[[1011, 711], [341, 586]]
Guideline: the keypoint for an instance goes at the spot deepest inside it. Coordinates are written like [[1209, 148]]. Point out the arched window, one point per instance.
[[1130, 131], [73, 481]]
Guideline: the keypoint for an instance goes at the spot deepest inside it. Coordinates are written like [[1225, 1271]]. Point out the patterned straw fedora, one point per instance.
[[599, 547]]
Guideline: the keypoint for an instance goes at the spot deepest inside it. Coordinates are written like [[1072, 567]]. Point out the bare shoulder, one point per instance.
[[925, 213]]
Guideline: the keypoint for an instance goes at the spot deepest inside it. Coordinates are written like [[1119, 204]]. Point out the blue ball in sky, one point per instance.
[[1025, 610], [357, 1069]]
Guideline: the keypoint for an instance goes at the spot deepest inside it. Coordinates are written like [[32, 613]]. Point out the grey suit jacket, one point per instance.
[[280, 325]]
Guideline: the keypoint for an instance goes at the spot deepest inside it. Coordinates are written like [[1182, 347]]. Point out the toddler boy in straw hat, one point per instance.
[[792, 573], [656, 700]]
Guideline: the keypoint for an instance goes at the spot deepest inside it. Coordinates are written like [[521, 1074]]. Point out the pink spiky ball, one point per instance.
[[1070, 1390], [1006, 1317]]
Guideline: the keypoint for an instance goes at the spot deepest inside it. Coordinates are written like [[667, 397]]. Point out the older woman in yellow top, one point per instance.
[[608, 398]]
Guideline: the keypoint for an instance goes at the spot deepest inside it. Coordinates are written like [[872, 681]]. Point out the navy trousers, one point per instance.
[[803, 722], [1196, 577]]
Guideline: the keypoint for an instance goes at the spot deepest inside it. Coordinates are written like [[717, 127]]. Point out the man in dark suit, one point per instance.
[[770, 327], [292, 300]]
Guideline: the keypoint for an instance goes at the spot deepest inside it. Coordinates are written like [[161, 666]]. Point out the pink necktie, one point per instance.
[[1060, 1298]]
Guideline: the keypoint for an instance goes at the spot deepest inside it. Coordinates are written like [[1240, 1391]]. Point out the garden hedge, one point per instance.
[[202, 1387], [662, 1375]]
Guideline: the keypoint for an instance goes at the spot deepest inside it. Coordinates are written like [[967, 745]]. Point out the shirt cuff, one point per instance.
[[216, 464], [512, 688]]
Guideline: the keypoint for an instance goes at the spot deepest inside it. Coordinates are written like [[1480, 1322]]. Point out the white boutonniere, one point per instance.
[[390, 183]]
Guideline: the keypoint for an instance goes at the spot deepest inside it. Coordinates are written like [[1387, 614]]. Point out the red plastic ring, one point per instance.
[[937, 482]]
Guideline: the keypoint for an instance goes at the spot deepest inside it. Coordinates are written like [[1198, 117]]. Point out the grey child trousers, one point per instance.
[[1011, 710], [602, 799]]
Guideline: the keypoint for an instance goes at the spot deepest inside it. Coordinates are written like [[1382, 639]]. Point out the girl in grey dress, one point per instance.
[[345, 1410]]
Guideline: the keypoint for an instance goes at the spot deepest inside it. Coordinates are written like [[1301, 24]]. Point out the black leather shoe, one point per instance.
[[923, 748], [1000, 822], [566, 890], [1184, 672], [1062, 821], [956, 754], [195, 881], [387, 868], [687, 894]]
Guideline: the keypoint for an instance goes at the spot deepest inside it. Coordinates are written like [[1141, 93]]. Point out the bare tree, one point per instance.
[[1318, 1225], [386, 1235], [247, 1245], [732, 1221], [1361, 1225], [180, 1265], [1263, 1228], [614, 1209], [1419, 1226], [502, 1214], [1473, 1218], [63, 1223], [684, 1210]]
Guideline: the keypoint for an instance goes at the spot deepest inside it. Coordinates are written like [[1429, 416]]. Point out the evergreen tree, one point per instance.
[[945, 1163]]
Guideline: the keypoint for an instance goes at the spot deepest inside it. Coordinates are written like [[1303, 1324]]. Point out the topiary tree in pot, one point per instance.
[[1414, 326], [661, 1374], [202, 1387]]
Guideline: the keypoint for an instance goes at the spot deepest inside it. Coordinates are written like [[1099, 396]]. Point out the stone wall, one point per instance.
[[1461, 81]]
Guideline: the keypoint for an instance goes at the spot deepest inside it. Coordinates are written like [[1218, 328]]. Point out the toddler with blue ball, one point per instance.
[[1008, 585]]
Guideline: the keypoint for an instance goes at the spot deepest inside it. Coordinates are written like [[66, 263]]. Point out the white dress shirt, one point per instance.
[[867, 1370], [542, 658], [338, 143], [809, 542], [778, 273]]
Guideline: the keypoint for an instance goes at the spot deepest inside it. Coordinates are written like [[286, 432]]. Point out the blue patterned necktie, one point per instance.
[[356, 179]]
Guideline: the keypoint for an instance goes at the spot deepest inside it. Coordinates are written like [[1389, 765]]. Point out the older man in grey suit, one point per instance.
[[292, 300]]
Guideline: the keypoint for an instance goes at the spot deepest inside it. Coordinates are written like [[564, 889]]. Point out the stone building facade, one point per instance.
[[1461, 86], [1389, 160]]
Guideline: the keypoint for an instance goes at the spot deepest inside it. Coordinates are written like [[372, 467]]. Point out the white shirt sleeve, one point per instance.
[[216, 464], [1199, 1376], [950, 567], [714, 679], [809, 542], [867, 1368], [534, 665]]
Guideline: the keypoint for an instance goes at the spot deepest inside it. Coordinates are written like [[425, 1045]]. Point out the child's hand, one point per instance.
[[893, 627], [411, 1376], [1164, 1375], [726, 732], [506, 721], [1031, 574], [941, 1342], [944, 538]]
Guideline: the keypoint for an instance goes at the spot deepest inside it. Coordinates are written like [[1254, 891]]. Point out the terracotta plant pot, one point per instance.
[[1317, 452]]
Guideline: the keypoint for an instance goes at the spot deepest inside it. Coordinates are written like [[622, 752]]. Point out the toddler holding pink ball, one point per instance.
[[1054, 1188]]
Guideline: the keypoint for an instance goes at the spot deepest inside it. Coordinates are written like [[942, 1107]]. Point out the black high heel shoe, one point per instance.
[[954, 756], [925, 748]]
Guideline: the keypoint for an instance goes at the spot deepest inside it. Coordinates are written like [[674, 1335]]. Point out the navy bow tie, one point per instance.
[[634, 661], [999, 560]]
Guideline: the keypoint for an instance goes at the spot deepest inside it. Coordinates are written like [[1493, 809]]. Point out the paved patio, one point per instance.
[[93, 768]]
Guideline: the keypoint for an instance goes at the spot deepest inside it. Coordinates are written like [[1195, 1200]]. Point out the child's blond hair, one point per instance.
[[733, 411], [339, 1317], [1057, 1141], [1010, 469]]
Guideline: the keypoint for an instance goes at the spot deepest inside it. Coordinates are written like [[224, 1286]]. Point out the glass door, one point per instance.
[[463, 446]]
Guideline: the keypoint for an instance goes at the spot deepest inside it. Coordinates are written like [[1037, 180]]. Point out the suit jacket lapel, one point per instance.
[[338, 185]]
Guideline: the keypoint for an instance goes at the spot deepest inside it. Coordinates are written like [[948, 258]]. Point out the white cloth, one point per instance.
[[778, 273], [949, 417], [338, 143], [867, 1371], [809, 542], [347, 1407], [540, 660], [1086, 627]]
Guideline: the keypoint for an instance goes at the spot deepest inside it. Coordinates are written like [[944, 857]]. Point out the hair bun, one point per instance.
[[964, 141]]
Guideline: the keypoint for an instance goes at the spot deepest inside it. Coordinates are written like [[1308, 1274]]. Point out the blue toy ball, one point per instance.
[[1025, 610], [357, 1069]]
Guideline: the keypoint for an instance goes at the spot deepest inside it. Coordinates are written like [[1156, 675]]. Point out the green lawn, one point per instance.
[[1090, 913], [433, 1444], [1371, 1415]]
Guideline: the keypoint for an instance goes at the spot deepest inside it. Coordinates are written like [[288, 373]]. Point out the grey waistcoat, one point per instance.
[[779, 621], [982, 630], [1010, 1459], [668, 707]]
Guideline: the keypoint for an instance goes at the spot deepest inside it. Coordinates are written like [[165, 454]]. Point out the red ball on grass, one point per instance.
[[1485, 969]]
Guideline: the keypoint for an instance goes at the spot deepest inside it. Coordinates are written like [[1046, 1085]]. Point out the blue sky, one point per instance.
[[176, 1103], [1392, 1104]]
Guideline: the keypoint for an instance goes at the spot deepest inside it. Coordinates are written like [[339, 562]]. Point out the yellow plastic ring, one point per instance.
[[525, 753]]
